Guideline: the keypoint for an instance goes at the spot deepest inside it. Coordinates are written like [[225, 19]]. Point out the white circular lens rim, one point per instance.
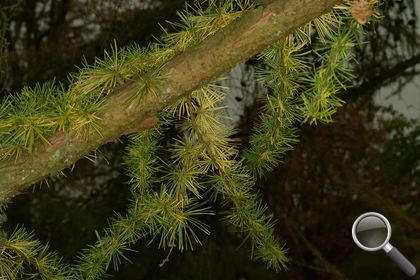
[[374, 214]]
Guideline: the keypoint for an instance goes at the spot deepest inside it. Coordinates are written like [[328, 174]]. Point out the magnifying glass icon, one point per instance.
[[371, 231]]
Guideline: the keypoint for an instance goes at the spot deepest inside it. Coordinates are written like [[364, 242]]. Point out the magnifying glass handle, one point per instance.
[[404, 264]]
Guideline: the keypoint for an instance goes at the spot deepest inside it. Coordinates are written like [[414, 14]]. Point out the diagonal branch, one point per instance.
[[253, 32], [385, 76]]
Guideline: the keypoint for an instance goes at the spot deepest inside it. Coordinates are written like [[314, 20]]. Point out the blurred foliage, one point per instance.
[[49, 39], [336, 173], [391, 51], [399, 156]]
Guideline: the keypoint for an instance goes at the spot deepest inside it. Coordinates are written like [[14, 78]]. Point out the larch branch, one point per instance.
[[253, 32]]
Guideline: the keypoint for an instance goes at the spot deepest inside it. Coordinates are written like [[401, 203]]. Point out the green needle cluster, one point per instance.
[[24, 256], [304, 76]]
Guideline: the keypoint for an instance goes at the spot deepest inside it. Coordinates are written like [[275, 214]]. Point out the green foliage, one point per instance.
[[202, 20], [169, 195], [321, 100], [152, 213], [23, 256], [158, 214], [303, 85], [74, 109], [141, 159], [228, 179]]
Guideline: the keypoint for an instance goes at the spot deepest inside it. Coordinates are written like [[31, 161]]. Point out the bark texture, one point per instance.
[[253, 32]]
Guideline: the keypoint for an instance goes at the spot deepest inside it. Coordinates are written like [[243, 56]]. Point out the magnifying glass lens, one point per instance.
[[371, 232]]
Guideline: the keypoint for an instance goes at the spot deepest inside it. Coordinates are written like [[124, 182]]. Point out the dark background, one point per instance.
[[367, 160]]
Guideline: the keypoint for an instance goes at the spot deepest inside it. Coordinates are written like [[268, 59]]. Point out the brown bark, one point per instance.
[[253, 32]]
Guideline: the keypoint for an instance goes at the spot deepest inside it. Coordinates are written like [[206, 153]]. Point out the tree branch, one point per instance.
[[253, 32], [384, 77]]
